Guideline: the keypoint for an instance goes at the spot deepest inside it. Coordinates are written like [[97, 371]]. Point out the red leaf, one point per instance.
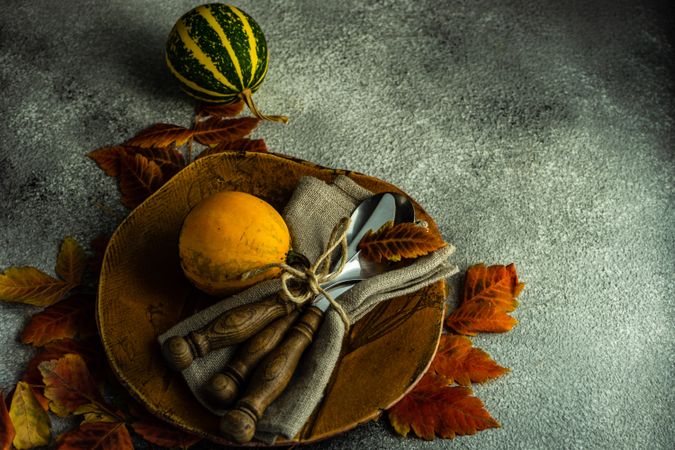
[[7, 431], [240, 145], [66, 319], [214, 130], [403, 240], [97, 436], [68, 384], [139, 178], [108, 159], [162, 433], [161, 135], [489, 294], [432, 408], [457, 361]]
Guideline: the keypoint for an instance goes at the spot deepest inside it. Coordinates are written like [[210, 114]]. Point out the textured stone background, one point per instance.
[[535, 132]]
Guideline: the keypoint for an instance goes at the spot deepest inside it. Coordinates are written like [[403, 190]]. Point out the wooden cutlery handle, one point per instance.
[[270, 378], [231, 327], [223, 388]]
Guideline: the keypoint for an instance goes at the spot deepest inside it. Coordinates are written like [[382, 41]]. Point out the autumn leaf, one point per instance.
[[240, 145], [68, 384], [7, 431], [66, 319], [163, 434], [139, 178], [205, 110], [403, 240], [433, 408], [97, 436], [169, 160], [215, 130], [71, 261], [90, 350], [31, 422], [457, 361], [93, 412], [161, 135], [108, 159], [32, 286], [489, 294]]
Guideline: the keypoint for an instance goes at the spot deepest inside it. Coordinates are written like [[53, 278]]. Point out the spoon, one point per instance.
[[274, 373], [223, 387], [240, 323]]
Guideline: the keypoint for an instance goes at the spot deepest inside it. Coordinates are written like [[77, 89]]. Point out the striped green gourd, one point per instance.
[[219, 55]]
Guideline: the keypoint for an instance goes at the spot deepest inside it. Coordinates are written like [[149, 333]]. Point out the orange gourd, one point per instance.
[[228, 234]]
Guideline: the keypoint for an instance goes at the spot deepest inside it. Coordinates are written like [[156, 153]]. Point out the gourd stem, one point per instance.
[[247, 96]]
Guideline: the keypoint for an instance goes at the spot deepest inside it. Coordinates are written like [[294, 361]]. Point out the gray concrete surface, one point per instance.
[[535, 132]]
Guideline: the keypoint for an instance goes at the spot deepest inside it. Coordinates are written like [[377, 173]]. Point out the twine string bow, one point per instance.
[[318, 273]]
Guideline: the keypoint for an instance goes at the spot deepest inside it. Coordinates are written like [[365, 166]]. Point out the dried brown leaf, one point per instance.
[[66, 319], [161, 135], [71, 261], [68, 384], [433, 408], [394, 242], [108, 159], [7, 431], [97, 436], [164, 434], [240, 145], [89, 349], [215, 130], [139, 178], [169, 160], [205, 110], [31, 286], [457, 361]]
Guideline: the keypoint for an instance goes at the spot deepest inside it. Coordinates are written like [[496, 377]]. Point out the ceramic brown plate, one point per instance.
[[142, 293]]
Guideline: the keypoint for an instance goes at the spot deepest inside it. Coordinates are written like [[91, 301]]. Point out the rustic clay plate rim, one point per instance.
[[140, 396]]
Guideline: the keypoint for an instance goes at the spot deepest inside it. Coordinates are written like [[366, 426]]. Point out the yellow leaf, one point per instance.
[[93, 412], [71, 262], [404, 240], [31, 286], [31, 422]]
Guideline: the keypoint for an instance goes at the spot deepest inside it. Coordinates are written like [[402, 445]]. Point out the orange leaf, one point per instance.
[[66, 319], [214, 130], [31, 423], [403, 240], [71, 261], [31, 286], [161, 135], [90, 350], [223, 111], [240, 145], [163, 434], [433, 408], [68, 384], [7, 431], [457, 361], [108, 159], [495, 284], [139, 178], [474, 318], [489, 294], [97, 436]]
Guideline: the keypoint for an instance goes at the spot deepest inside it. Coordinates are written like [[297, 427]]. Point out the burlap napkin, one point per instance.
[[311, 214]]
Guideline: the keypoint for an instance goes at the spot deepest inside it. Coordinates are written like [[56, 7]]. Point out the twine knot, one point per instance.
[[311, 278]]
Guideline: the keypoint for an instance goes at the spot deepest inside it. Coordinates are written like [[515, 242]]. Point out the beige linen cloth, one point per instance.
[[311, 214]]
